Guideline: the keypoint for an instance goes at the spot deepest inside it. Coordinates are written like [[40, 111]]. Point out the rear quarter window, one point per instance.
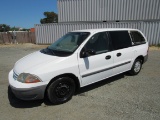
[[120, 39], [137, 38]]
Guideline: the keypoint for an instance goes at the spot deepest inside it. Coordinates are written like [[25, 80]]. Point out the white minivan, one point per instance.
[[76, 60]]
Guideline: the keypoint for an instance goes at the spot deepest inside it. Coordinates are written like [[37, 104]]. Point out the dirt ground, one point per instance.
[[122, 97]]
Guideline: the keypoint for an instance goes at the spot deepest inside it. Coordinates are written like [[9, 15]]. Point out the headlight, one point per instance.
[[28, 78]]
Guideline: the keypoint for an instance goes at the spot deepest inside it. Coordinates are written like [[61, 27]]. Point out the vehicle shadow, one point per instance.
[[88, 88], [17, 103], [107, 81]]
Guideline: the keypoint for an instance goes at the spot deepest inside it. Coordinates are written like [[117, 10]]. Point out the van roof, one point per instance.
[[104, 29]]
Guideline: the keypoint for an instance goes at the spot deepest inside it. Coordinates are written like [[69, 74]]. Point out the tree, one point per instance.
[[14, 29], [50, 17], [4, 28], [24, 29]]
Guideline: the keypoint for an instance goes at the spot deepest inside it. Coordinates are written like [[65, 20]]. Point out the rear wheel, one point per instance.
[[136, 68], [61, 90]]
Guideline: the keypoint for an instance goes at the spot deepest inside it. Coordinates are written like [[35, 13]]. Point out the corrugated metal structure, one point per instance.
[[48, 33], [108, 10], [87, 14]]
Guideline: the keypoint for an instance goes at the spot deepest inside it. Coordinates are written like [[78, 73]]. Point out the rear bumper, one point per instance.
[[29, 93], [145, 58]]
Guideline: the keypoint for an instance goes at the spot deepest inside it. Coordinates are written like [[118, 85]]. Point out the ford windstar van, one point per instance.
[[76, 60]]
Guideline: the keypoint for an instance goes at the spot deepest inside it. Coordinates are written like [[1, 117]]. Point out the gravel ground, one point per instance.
[[122, 97]]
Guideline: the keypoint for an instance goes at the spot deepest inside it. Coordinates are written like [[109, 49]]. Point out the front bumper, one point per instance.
[[27, 91]]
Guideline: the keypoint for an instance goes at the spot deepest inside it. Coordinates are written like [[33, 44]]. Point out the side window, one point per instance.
[[98, 42], [120, 39], [137, 38]]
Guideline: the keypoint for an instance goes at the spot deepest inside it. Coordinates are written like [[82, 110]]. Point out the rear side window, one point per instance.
[[120, 39], [137, 38]]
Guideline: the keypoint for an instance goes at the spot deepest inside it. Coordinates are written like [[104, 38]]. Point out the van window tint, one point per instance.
[[98, 42], [120, 39], [137, 38]]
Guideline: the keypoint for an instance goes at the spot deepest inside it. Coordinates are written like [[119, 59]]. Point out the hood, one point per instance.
[[33, 60]]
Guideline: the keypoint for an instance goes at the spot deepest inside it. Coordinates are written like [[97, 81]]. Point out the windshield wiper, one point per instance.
[[50, 50]]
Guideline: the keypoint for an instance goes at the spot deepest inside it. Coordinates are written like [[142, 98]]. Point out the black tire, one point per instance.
[[61, 90], [136, 67]]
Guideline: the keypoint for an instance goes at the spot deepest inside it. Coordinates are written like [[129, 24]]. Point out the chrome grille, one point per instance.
[[15, 75]]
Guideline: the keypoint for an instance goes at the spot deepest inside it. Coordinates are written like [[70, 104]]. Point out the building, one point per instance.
[[87, 14], [32, 29], [108, 10]]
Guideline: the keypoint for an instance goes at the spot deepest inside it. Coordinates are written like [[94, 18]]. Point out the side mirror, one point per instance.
[[87, 53]]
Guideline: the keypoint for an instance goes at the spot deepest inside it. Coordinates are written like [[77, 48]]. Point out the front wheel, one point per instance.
[[136, 68], [61, 90]]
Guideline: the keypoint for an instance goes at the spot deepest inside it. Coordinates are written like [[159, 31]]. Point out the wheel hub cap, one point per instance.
[[137, 66], [62, 90]]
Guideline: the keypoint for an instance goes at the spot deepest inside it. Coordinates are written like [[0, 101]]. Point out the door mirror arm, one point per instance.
[[87, 53]]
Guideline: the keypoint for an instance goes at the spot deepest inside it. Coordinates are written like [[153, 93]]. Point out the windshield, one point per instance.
[[67, 44]]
